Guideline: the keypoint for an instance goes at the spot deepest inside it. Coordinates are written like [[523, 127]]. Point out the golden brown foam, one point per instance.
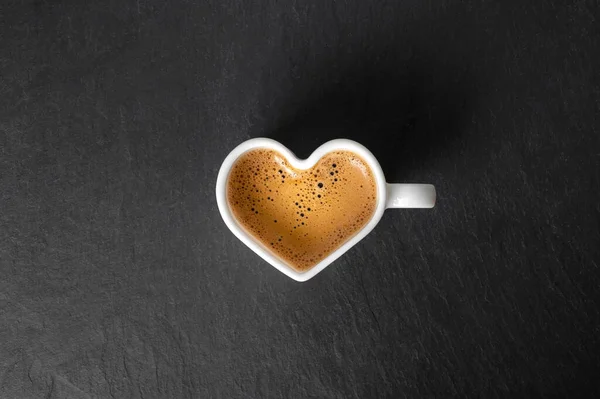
[[301, 215]]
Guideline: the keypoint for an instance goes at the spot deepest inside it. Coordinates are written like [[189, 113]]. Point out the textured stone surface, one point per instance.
[[119, 279]]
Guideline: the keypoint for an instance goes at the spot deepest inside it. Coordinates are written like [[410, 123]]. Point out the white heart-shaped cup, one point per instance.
[[388, 196]]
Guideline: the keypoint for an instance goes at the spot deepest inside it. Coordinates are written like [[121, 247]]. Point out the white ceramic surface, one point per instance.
[[388, 196]]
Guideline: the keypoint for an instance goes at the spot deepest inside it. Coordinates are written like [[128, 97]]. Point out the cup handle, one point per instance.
[[410, 196]]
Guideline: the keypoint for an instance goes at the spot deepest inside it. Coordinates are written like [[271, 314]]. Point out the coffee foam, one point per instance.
[[302, 216]]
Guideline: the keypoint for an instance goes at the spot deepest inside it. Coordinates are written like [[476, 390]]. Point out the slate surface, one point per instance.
[[118, 278]]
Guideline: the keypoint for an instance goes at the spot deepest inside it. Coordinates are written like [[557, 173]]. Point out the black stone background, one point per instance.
[[118, 278]]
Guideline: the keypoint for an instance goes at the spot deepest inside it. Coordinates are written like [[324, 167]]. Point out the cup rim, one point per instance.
[[260, 249]]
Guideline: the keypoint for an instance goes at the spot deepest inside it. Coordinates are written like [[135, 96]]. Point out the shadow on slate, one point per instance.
[[405, 114]]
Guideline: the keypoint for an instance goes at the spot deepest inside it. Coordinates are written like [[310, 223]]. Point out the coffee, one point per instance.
[[301, 215]]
